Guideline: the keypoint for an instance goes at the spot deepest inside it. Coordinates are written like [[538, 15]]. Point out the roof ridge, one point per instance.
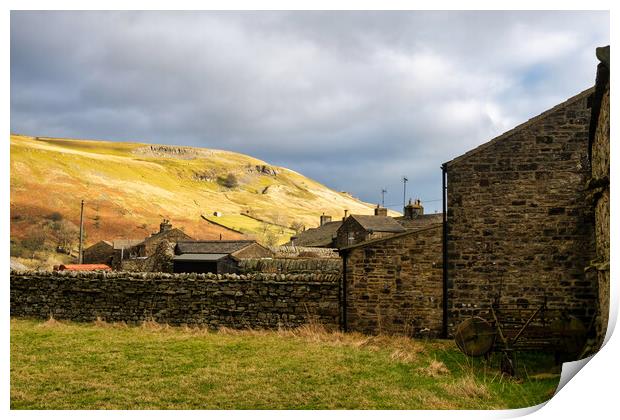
[[397, 235], [523, 125]]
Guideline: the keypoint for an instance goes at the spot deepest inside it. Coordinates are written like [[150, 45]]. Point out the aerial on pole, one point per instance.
[[405, 179]]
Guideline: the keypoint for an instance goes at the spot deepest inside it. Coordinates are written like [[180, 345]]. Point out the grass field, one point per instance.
[[58, 365]]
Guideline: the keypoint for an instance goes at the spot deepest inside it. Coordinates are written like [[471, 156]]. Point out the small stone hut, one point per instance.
[[394, 285]]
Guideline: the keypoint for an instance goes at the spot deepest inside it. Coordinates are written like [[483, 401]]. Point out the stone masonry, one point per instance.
[[246, 301], [599, 188], [394, 285], [519, 224]]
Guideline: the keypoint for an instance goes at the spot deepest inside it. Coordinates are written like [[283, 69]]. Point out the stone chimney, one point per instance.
[[380, 211], [413, 210], [346, 214], [165, 225], [325, 219]]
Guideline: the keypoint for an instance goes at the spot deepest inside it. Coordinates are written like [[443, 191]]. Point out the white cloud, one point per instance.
[[353, 99]]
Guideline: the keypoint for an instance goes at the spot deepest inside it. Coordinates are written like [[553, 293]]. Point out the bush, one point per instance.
[[55, 216], [230, 181], [17, 250]]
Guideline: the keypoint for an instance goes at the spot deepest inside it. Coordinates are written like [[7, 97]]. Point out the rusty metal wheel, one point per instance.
[[475, 336]]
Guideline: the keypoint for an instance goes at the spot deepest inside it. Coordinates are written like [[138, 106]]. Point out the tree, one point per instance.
[[34, 241], [298, 227], [67, 234]]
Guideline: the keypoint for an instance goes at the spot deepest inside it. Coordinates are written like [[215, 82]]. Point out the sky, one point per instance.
[[355, 100]]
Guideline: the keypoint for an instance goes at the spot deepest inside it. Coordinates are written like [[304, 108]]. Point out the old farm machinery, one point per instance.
[[508, 328]]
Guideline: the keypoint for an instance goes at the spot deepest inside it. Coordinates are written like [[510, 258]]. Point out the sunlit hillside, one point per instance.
[[129, 187]]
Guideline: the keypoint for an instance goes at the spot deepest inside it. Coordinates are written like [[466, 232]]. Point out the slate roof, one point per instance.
[[318, 237], [165, 233], [211, 247], [378, 223], [84, 267], [126, 243], [199, 257], [420, 221]]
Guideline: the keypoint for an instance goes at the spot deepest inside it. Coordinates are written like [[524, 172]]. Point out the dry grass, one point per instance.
[[468, 387], [435, 369]]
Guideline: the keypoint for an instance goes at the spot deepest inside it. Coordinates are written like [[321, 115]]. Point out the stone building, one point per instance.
[[394, 284], [414, 217], [598, 187], [323, 236], [101, 252], [359, 228], [215, 256], [166, 233], [519, 224]]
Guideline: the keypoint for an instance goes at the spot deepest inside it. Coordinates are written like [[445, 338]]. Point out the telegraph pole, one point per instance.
[[383, 191], [404, 191], [81, 256]]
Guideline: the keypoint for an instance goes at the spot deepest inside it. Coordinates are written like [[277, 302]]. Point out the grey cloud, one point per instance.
[[352, 99]]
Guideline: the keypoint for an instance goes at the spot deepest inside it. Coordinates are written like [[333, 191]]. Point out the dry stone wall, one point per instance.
[[236, 301], [293, 265], [519, 223]]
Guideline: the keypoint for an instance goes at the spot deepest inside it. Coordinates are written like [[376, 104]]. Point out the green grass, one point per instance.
[[58, 365]]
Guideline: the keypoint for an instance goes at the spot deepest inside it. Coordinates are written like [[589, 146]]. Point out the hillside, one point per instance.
[[129, 187]]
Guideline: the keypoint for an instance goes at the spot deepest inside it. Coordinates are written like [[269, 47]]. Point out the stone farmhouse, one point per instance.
[[359, 228], [117, 253], [166, 233]]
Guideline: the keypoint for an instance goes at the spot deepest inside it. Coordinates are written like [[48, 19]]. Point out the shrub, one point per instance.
[[230, 181], [55, 216]]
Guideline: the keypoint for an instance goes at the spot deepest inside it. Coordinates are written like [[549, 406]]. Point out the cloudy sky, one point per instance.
[[354, 100]]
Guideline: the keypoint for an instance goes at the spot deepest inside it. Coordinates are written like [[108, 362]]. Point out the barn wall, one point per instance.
[[394, 285], [518, 220], [599, 190]]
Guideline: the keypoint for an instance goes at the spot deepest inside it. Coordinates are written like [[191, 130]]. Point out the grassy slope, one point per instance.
[[67, 366], [128, 190]]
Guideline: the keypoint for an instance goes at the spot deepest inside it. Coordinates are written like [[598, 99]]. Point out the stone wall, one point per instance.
[[519, 224], [236, 301], [292, 265], [599, 189], [394, 285]]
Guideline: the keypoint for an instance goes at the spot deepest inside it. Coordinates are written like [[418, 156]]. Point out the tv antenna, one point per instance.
[[405, 179], [383, 191]]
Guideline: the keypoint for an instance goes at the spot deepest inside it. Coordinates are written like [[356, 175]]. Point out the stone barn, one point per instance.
[[215, 257], [394, 284], [100, 253], [519, 225]]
